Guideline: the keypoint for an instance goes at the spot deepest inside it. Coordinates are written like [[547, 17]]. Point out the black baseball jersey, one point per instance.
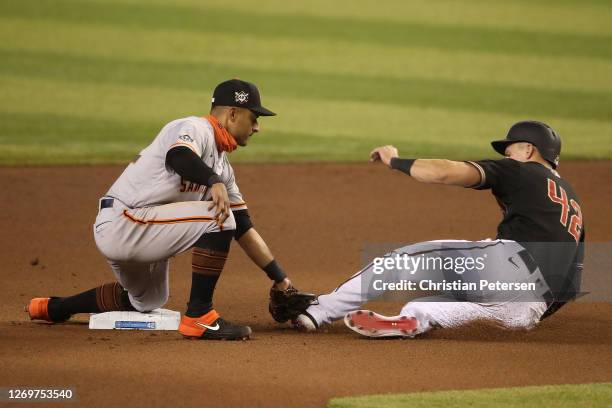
[[542, 212]]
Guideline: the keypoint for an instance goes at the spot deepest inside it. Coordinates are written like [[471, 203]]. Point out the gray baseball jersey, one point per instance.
[[148, 181], [156, 214]]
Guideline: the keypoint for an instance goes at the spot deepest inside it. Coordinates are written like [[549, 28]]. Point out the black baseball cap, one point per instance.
[[538, 134], [242, 94]]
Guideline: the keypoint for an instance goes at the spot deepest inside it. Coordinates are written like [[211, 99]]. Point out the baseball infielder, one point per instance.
[[179, 193], [530, 270]]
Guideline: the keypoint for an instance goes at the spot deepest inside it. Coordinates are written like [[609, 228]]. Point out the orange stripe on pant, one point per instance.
[[168, 221]]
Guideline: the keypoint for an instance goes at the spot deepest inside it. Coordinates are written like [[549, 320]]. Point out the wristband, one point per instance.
[[403, 165], [274, 272], [214, 179]]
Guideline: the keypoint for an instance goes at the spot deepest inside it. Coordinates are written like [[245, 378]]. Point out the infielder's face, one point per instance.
[[242, 124], [520, 151]]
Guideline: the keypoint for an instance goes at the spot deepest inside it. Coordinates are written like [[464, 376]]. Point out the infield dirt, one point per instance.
[[317, 219]]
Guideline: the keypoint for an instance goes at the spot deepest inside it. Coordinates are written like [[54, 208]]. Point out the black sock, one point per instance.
[[200, 299], [105, 298], [208, 258]]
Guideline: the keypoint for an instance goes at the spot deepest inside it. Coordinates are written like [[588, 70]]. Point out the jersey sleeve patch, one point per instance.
[[186, 135]]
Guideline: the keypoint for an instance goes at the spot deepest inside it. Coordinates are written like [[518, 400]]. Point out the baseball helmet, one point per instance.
[[538, 134]]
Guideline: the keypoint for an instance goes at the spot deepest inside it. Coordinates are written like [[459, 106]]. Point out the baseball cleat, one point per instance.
[[372, 324], [38, 309], [212, 327], [305, 323]]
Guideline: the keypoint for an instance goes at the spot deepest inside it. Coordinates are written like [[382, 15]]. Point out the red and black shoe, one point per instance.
[[370, 324]]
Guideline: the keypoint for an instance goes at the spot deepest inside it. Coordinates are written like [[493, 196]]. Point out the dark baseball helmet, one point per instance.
[[538, 134]]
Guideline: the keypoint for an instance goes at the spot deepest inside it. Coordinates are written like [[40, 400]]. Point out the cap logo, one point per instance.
[[241, 97]]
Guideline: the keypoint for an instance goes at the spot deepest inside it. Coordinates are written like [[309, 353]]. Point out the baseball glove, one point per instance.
[[289, 303]]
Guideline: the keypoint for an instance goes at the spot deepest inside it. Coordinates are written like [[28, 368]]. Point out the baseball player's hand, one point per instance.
[[220, 201], [384, 154]]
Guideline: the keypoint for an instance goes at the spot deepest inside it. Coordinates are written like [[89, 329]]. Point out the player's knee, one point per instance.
[[148, 303], [152, 298]]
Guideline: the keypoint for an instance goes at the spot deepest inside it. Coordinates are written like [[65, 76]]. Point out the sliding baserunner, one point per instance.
[[528, 272]]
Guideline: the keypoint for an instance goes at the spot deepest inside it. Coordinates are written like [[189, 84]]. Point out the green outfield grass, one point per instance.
[[560, 396], [93, 81]]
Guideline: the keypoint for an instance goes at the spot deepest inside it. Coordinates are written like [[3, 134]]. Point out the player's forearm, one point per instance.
[[438, 171], [256, 248], [434, 171]]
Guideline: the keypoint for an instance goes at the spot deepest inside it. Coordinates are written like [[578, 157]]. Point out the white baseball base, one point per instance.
[[158, 319]]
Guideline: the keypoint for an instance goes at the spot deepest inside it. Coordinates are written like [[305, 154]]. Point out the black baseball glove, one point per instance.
[[289, 303]]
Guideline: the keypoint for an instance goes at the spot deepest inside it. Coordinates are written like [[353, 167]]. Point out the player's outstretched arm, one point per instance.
[[256, 248], [436, 171]]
